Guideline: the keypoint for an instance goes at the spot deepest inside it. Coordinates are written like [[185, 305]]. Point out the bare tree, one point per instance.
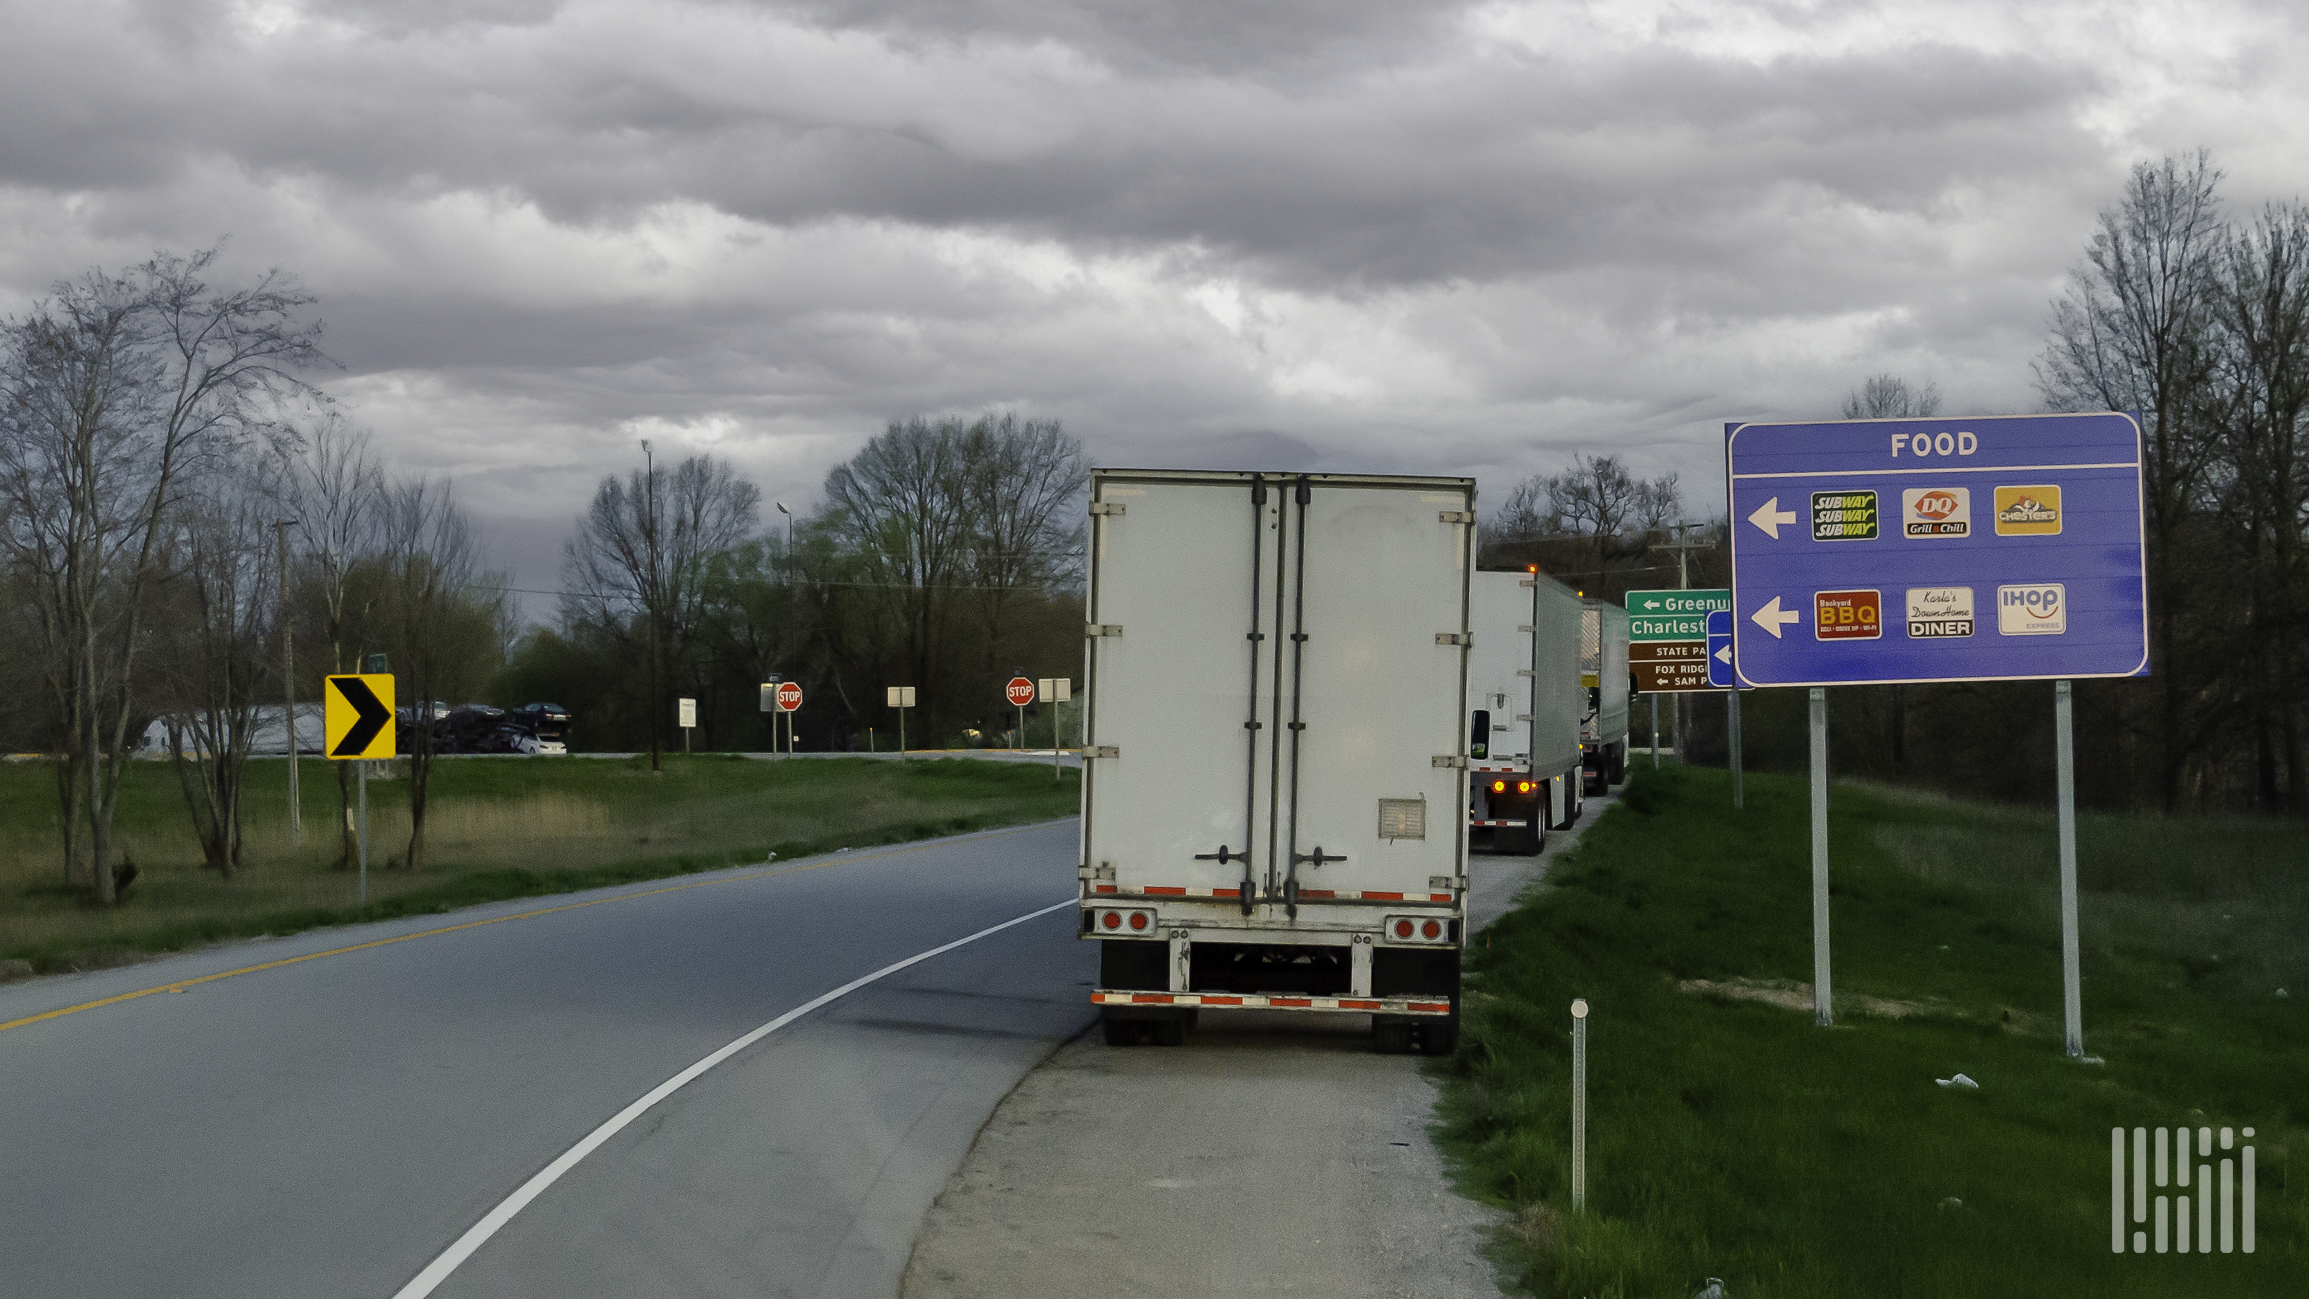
[[1598, 499], [1888, 396], [642, 552], [2134, 332], [440, 614], [1028, 477], [2262, 493], [212, 619], [116, 389], [336, 489]]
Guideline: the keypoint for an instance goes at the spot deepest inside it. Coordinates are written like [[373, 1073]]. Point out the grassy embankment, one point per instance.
[[495, 827], [1729, 1137]]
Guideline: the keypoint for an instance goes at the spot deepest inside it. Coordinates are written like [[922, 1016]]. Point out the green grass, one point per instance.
[[495, 828], [1731, 1138]]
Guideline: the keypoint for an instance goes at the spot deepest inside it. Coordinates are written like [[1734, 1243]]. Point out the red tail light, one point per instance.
[[1138, 920], [1523, 787], [1402, 930], [1111, 920], [1431, 930], [1499, 787]]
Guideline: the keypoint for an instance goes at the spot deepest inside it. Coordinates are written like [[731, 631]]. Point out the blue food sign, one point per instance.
[[1888, 551]]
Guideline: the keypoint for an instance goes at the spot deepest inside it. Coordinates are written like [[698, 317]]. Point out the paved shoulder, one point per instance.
[[1271, 1153]]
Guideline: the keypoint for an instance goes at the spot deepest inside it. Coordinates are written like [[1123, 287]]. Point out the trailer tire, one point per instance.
[[1439, 1036], [1619, 764], [1391, 1037], [1170, 1031], [1123, 1032]]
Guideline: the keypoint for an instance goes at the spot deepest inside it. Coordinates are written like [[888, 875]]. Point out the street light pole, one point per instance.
[[289, 688]]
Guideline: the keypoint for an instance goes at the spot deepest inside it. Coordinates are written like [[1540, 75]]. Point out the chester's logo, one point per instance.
[[2028, 511]]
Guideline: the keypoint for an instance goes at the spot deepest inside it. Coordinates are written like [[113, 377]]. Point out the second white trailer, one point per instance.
[[1524, 706]]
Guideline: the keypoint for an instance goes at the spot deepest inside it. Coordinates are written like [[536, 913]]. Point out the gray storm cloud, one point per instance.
[[1431, 237]]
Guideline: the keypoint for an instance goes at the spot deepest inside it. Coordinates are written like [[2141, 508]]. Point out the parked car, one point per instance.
[[549, 722]]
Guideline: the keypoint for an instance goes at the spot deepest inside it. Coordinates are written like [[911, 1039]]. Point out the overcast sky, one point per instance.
[[1383, 235]]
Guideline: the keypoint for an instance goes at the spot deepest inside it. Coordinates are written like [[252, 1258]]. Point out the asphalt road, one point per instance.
[[331, 1125]]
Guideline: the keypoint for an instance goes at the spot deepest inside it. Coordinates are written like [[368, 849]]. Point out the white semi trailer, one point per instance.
[[1275, 757], [1524, 707], [1603, 670]]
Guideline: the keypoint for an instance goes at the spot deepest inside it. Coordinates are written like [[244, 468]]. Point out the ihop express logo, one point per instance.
[[2038, 609]]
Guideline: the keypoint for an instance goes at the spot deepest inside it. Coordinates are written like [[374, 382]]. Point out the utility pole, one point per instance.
[[289, 688], [1683, 545], [649, 591]]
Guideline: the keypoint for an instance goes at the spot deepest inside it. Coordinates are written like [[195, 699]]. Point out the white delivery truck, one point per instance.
[[1603, 670], [1275, 763], [1524, 707]]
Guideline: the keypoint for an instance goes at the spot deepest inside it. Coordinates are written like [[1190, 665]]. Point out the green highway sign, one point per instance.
[[1673, 615]]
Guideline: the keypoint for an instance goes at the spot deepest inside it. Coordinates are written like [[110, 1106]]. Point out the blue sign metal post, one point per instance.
[[1720, 673], [1896, 551]]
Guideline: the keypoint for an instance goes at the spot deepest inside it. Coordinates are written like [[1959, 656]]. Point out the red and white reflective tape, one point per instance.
[[1264, 1001], [1305, 895], [1510, 767], [1511, 825]]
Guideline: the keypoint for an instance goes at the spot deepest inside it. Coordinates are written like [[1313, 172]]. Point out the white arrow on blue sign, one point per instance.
[[1887, 551], [1720, 649]]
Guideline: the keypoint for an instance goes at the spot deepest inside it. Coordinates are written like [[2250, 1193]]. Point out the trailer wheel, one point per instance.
[[1391, 1037], [1170, 1031], [1439, 1036], [1123, 1032]]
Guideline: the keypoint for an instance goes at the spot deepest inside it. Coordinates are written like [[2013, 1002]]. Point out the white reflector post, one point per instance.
[[1579, 1105]]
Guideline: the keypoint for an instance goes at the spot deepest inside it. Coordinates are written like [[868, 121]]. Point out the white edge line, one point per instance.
[[478, 1234]]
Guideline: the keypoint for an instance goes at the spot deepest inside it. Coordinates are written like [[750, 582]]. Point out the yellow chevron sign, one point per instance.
[[357, 716]]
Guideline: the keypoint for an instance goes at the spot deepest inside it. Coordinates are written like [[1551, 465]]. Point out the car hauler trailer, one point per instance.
[[1524, 706], [1603, 670], [1274, 751]]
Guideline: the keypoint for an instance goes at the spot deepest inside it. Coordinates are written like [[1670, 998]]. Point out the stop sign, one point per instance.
[[789, 696], [1020, 691]]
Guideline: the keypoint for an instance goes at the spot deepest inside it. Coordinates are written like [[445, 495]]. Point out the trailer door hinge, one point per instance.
[[1523, 672], [1102, 751], [1457, 516], [1523, 717], [1096, 629], [1103, 871], [1102, 507], [1449, 760], [1527, 627], [1454, 638], [1527, 582]]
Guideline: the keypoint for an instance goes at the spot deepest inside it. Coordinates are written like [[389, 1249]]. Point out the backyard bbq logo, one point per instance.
[[2181, 1158], [1936, 511], [2028, 511]]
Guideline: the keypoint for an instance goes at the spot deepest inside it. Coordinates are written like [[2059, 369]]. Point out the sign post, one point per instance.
[[1720, 675], [901, 698], [1887, 552], [789, 701], [356, 725], [1055, 691], [1020, 692]]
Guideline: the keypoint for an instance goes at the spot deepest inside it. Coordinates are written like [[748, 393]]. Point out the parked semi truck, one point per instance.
[[1603, 671], [1524, 708], [1275, 754]]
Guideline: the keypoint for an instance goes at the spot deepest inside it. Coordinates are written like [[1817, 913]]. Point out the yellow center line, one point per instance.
[[183, 984]]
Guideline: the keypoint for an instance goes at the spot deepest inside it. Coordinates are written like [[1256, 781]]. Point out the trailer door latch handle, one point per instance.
[[1222, 856]]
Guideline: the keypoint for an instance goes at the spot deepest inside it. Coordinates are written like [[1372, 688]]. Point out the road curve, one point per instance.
[[331, 1125]]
